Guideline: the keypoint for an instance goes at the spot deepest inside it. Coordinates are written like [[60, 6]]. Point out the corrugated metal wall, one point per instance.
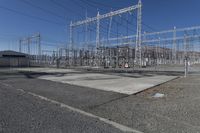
[[14, 62]]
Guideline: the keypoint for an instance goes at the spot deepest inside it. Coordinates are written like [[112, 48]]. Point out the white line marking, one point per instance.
[[62, 105], [116, 125]]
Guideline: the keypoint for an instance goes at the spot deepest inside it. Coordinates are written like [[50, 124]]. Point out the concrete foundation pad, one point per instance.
[[120, 84]]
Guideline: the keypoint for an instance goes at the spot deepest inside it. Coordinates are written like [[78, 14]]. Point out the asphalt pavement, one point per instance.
[[177, 112], [23, 113]]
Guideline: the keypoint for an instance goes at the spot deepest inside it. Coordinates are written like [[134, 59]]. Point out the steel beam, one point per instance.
[[110, 14]]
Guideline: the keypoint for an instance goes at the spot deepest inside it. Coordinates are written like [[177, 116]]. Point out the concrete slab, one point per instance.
[[120, 84]]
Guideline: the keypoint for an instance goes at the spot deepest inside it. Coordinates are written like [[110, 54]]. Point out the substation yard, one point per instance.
[[111, 72], [69, 100]]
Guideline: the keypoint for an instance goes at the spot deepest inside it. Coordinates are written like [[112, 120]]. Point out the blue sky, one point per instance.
[[21, 18]]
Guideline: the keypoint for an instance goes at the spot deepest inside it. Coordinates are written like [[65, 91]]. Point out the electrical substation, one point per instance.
[[117, 40]]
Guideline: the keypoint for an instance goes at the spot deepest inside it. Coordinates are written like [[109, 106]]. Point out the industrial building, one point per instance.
[[13, 59]]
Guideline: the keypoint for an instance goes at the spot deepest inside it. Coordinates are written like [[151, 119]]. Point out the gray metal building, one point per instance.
[[13, 59]]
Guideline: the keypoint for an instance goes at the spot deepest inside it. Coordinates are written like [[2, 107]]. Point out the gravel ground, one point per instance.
[[177, 112]]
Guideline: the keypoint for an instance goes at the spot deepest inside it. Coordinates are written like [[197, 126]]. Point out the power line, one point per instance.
[[52, 40], [97, 6], [42, 9], [103, 30], [89, 4], [51, 43], [75, 2], [124, 25], [129, 22], [85, 2], [65, 8], [153, 29], [31, 16], [9, 35], [102, 4]]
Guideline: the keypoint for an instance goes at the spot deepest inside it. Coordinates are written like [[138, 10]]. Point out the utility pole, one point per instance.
[[97, 38], [186, 55], [20, 45], [39, 48], [138, 51], [71, 58], [86, 30], [174, 46], [29, 49]]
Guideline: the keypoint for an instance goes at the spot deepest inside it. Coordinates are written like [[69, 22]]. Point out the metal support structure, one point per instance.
[[186, 67], [98, 31], [111, 14], [99, 49], [86, 32], [29, 49], [174, 46], [32, 46], [138, 52], [71, 46], [110, 26], [39, 48], [98, 40], [71, 36], [159, 33], [185, 46], [20, 45]]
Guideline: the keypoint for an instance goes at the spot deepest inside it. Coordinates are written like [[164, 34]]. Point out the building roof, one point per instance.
[[10, 53]]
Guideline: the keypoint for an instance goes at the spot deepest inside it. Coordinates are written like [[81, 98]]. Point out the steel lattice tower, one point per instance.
[[138, 49]]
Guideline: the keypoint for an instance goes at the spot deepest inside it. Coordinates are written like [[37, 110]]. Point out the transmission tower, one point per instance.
[[99, 18], [32, 46]]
